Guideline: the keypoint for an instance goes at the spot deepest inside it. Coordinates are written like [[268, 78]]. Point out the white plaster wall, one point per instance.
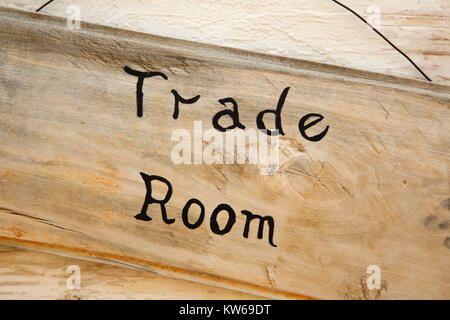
[[317, 30]]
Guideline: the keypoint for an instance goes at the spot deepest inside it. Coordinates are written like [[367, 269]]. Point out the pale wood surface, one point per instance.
[[317, 30], [374, 191], [35, 275]]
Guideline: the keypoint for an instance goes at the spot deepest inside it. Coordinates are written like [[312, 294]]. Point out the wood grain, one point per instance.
[[35, 275], [374, 191]]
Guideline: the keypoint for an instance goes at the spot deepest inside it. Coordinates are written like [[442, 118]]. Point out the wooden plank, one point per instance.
[[373, 191], [320, 31], [35, 275]]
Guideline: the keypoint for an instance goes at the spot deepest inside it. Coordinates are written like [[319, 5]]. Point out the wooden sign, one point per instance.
[[114, 147]]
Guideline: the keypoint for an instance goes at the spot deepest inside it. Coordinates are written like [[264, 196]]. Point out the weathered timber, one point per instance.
[[373, 191]]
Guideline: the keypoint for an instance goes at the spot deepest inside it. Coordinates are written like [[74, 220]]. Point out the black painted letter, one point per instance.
[[141, 76], [250, 216], [260, 121], [234, 114], [231, 219], [302, 127], [185, 214], [179, 99], [149, 199]]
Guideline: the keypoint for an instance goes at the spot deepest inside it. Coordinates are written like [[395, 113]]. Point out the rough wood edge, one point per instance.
[[152, 266], [104, 272]]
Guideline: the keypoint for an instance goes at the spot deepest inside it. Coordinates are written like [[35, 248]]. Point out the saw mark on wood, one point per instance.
[[45, 221]]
